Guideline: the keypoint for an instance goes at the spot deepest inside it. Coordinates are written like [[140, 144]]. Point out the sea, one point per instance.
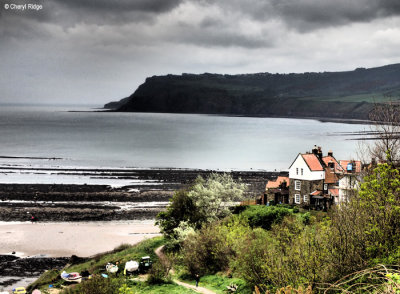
[[43, 144]]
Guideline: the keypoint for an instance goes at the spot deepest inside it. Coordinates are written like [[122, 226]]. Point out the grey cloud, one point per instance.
[[215, 32], [68, 14], [112, 12], [151, 6], [305, 15], [222, 39], [99, 12], [308, 15]]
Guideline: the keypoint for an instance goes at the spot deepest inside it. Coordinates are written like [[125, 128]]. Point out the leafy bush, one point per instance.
[[96, 285], [158, 274], [265, 216], [207, 251], [206, 201]]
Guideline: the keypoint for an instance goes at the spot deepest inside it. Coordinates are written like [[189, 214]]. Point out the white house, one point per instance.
[[319, 181], [350, 179]]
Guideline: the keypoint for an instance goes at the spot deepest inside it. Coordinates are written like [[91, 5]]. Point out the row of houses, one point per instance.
[[314, 180]]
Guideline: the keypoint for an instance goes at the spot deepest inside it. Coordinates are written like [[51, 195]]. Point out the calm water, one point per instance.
[[94, 139]]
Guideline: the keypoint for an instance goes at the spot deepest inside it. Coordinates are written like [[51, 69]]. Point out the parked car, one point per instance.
[[145, 264]]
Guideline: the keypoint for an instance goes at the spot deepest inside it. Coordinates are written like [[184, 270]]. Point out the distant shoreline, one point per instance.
[[320, 119]]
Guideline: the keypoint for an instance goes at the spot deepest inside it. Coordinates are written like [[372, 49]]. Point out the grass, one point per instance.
[[97, 264], [370, 98], [219, 282], [163, 288], [123, 253], [47, 278]]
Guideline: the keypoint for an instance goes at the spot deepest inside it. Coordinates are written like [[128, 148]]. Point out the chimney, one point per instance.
[[315, 150], [319, 152], [330, 153]]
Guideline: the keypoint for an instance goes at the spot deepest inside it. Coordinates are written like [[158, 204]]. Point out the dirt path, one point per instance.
[[203, 290]]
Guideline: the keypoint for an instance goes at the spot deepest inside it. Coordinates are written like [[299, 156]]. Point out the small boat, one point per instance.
[[19, 290], [131, 266], [71, 277], [111, 268]]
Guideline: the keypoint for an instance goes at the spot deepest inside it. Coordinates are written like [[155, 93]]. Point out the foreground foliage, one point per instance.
[[273, 247]]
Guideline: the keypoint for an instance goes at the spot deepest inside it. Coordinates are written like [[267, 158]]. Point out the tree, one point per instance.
[[213, 196], [181, 208], [207, 200], [380, 197], [366, 229], [386, 131]]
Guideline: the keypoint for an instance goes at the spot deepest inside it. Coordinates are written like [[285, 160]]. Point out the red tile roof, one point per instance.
[[328, 159], [344, 164], [334, 192], [313, 162], [330, 176], [316, 193], [275, 184]]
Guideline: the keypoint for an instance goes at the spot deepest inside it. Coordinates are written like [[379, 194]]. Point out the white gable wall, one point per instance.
[[308, 175], [347, 185]]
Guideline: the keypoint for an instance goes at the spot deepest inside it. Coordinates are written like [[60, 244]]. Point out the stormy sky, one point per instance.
[[95, 51]]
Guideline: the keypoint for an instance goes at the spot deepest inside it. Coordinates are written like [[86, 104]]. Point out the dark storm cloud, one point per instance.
[[306, 15], [213, 31], [110, 12], [151, 6], [103, 49], [98, 12], [214, 38]]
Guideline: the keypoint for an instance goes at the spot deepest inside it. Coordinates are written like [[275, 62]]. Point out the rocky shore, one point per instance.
[[14, 269], [142, 200]]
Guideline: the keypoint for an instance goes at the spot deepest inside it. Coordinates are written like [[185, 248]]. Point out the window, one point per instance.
[[305, 198], [301, 171], [297, 170], [325, 187], [297, 185], [297, 198]]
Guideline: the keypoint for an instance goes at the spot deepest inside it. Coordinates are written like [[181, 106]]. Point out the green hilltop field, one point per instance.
[[340, 95]]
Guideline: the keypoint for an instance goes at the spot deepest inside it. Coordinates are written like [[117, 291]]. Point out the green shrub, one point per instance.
[[306, 218], [207, 251], [158, 274], [97, 285], [265, 216]]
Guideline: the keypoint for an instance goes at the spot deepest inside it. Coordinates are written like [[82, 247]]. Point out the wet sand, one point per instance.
[[71, 238]]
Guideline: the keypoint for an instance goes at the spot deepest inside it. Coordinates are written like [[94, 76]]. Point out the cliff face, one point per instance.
[[330, 94]]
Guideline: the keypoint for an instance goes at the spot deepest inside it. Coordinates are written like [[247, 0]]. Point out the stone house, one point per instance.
[[306, 176], [277, 191], [319, 181]]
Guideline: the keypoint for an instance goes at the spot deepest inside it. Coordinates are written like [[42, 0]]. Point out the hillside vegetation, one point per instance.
[[345, 95]]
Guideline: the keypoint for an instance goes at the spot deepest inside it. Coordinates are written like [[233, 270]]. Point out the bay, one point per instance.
[[150, 140]]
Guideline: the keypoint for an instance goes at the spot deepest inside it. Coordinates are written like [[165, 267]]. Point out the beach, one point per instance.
[[28, 249], [71, 238]]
